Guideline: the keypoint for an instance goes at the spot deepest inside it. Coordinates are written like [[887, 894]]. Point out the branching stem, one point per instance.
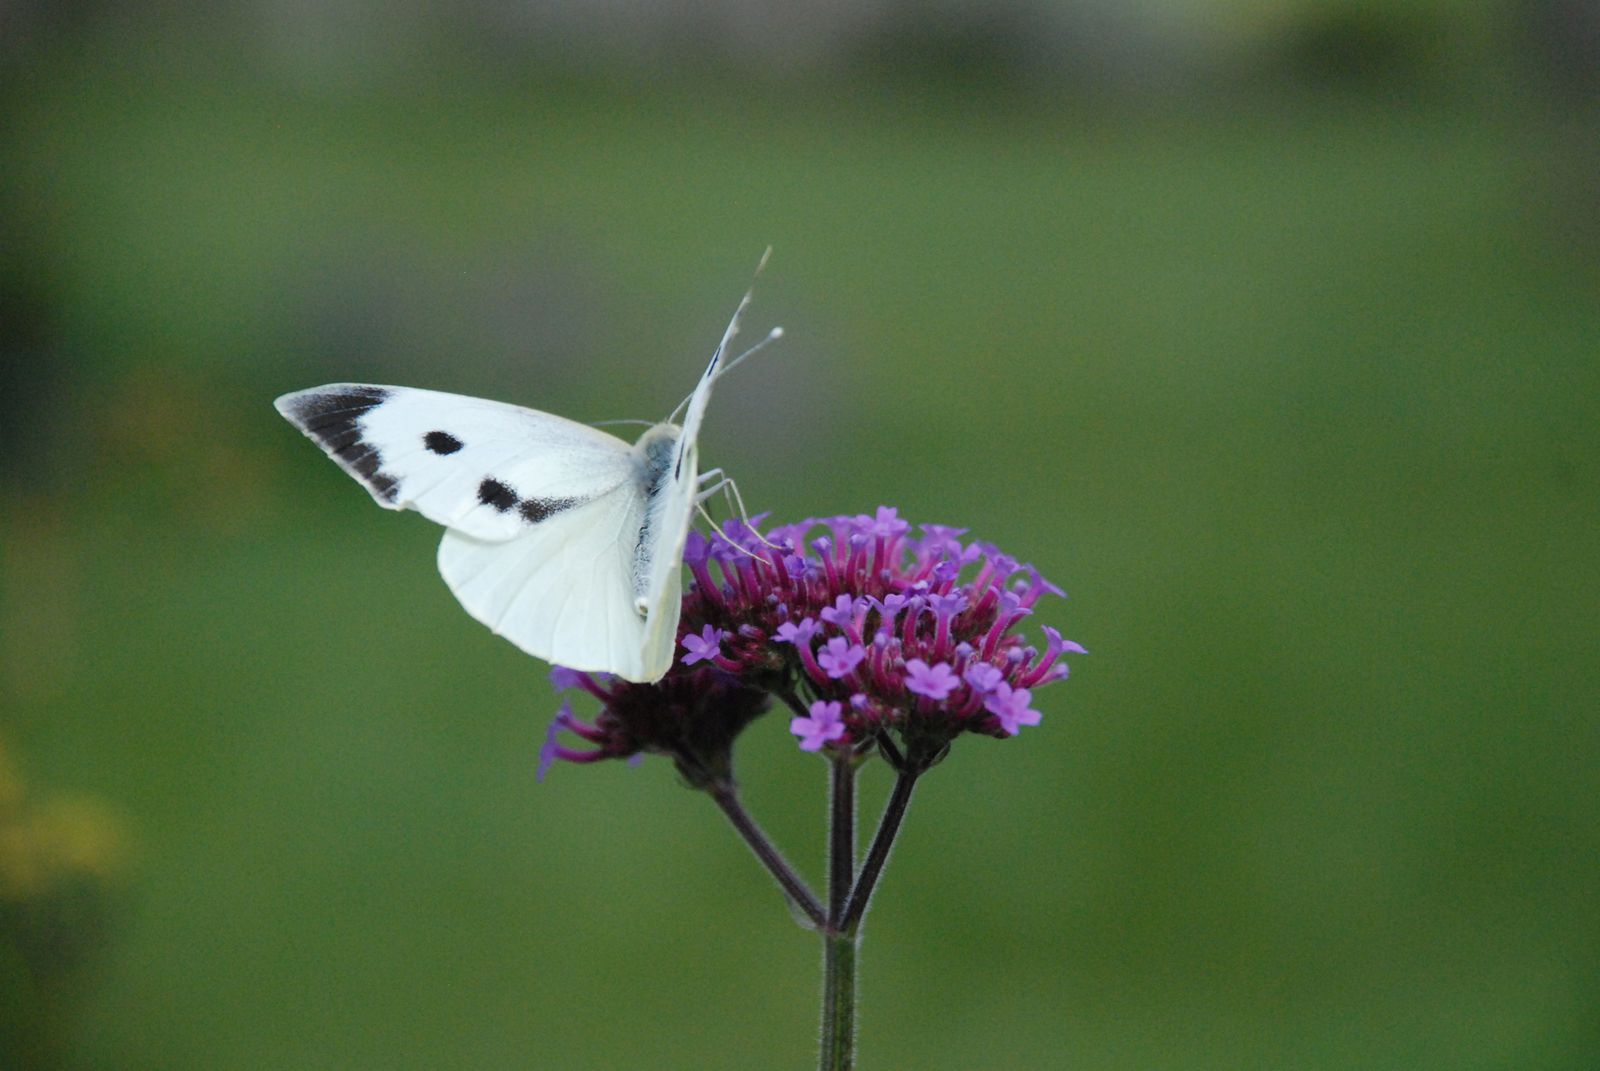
[[794, 887]]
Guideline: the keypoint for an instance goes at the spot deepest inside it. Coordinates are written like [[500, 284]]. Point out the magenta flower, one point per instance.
[[982, 677], [931, 682], [839, 657], [1010, 706], [878, 641], [916, 638], [841, 613], [824, 726], [703, 647], [911, 635], [692, 716], [798, 634]]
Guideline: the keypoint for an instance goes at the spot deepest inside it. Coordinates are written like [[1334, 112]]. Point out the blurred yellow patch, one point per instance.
[[52, 844]]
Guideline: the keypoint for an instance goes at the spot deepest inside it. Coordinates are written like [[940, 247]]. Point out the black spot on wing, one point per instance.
[[333, 420], [534, 510], [493, 493], [441, 442], [496, 494]]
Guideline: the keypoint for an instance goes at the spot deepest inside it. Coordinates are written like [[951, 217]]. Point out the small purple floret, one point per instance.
[[888, 607], [839, 656], [825, 725], [841, 613], [704, 647], [562, 678], [941, 539], [697, 549], [887, 523], [552, 747], [798, 634], [1010, 706], [983, 677], [934, 682]]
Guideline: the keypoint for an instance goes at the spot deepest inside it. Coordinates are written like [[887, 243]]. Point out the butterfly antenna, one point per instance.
[[623, 420], [727, 336], [772, 336]]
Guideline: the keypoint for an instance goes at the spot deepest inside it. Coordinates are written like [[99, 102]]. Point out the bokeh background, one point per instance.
[[1268, 328]]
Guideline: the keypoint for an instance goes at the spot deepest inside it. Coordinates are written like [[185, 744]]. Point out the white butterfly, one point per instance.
[[561, 538]]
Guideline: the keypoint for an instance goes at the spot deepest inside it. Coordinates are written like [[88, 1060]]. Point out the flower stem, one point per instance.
[[847, 905], [793, 702], [841, 837], [839, 1001], [878, 854], [838, 946], [801, 896]]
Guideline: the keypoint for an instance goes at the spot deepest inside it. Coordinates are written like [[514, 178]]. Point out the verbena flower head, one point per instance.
[[873, 635], [691, 715], [914, 636]]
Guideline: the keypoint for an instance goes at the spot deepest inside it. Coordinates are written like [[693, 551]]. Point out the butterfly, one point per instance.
[[560, 537]]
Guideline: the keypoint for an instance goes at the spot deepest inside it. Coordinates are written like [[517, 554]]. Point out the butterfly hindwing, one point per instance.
[[488, 469], [565, 590]]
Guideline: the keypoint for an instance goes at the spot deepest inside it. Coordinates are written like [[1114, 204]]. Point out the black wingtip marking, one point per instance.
[[441, 442], [333, 420], [385, 485], [496, 494], [314, 409]]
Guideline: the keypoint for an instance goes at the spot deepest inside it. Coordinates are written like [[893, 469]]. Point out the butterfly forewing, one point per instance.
[[485, 468]]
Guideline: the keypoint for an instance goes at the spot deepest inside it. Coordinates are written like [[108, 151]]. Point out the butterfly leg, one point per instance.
[[706, 477], [729, 489], [726, 487]]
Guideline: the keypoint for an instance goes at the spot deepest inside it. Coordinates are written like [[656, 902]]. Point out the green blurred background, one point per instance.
[[1267, 329]]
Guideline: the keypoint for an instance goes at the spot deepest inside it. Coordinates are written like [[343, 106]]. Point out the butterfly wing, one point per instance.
[[542, 515], [559, 537], [564, 590], [488, 469]]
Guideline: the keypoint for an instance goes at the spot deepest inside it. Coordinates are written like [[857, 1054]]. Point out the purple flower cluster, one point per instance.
[[869, 633], [879, 628], [691, 715]]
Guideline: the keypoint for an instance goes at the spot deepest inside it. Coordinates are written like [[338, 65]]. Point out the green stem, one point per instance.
[[839, 1002], [793, 887], [841, 837], [838, 946], [878, 854]]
